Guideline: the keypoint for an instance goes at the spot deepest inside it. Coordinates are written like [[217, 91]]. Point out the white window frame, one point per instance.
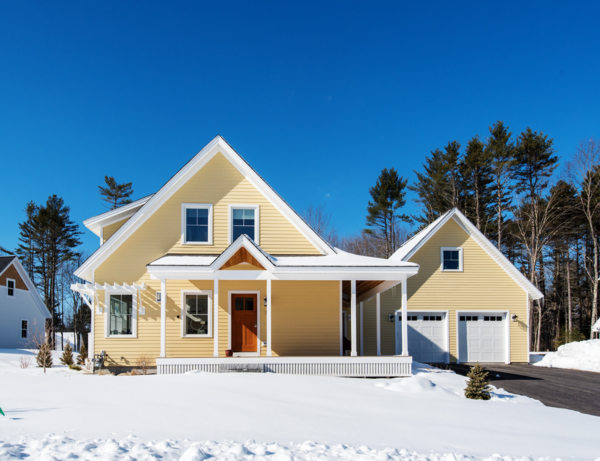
[[204, 206], [210, 312], [107, 314], [26, 329], [14, 288], [460, 259], [245, 206]]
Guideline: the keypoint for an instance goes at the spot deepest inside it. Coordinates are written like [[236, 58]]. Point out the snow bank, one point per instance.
[[582, 355]]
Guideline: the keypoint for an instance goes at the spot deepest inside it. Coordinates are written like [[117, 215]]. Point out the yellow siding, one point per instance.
[[483, 285], [108, 231], [305, 318]]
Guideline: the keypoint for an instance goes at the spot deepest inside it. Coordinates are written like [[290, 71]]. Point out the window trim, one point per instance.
[[14, 288], [247, 206], [460, 259], [26, 328], [210, 312], [107, 314], [204, 206]]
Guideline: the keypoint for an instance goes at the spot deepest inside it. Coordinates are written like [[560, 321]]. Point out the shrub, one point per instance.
[[67, 356], [82, 354], [44, 356], [143, 363], [75, 367], [478, 387], [567, 336], [24, 362]]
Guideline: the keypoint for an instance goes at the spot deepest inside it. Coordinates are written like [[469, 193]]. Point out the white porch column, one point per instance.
[[216, 316], [362, 350], [269, 336], [353, 314], [163, 317], [378, 322], [341, 319], [404, 319]]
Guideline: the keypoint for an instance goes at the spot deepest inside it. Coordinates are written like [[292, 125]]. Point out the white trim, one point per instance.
[[163, 318], [97, 223], [353, 316], [362, 351], [208, 293], [269, 321], [258, 307], [460, 259], [101, 235], [197, 206], [506, 320], [14, 287], [404, 319], [217, 145], [527, 326], [216, 315], [341, 319], [134, 303], [378, 321], [244, 206]]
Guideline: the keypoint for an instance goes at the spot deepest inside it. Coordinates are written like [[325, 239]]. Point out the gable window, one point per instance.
[[244, 220], [197, 313], [10, 285], [196, 223], [121, 315], [23, 328], [452, 259]]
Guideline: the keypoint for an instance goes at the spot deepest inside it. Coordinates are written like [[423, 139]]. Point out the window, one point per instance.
[[10, 285], [196, 223], [452, 259], [120, 315], [492, 318], [432, 318], [197, 318], [23, 328], [244, 220], [469, 318]]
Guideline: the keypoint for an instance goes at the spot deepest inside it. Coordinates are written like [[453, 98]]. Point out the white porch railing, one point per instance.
[[389, 366]]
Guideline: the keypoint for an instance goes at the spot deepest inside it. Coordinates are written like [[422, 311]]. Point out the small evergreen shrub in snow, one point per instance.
[[75, 367], [44, 356], [478, 387], [67, 356], [82, 354], [566, 337]]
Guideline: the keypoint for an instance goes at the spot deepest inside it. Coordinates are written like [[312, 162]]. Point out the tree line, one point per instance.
[[543, 216]]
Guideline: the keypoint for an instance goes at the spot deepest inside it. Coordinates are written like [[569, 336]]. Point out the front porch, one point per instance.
[[357, 367]]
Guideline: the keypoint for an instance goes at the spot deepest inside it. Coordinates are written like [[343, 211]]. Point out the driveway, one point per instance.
[[554, 387]]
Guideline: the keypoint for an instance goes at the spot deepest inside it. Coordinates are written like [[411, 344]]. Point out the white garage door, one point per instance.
[[426, 336], [482, 337]]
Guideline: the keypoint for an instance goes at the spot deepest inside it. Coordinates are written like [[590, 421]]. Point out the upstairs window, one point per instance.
[[244, 220], [10, 285], [452, 259], [196, 223]]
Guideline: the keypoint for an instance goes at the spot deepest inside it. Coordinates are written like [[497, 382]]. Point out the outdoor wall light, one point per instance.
[[265, 301], [392, 318], [514, 317]]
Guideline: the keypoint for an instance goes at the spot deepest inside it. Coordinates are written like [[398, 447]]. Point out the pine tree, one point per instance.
[[115, 194], [82, 354], [478, 386], [26, 251], [477, 176], [67, 356], [453, 190], [44, 356], [430, 188], [388, 196]]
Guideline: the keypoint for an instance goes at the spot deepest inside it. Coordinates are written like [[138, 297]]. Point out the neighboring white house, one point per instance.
[[22, 310]]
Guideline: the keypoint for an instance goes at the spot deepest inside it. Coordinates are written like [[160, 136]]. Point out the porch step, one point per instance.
[[241, 368]]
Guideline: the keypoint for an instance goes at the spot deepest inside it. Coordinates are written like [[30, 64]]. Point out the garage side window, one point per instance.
[[452, 259], [10, 285]]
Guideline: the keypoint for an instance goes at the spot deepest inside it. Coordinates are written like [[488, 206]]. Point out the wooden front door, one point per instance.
[[244, 323]]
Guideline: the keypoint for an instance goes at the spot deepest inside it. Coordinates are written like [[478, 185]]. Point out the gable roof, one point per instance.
[[218, 144], [411, 246], [96, 223], [5, 262]]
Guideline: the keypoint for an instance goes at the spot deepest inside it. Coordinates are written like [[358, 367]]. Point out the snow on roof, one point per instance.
[[184, 260], [406, 251]]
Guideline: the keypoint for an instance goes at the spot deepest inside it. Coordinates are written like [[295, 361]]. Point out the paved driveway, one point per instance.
[[555, 387]]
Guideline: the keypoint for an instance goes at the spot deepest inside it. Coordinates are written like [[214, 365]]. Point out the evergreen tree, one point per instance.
[[388, 196], [430, 188], [26, 251], [500, 150], [82, 354], [44, 356], [478, 386], [67, 356], [115, 194], [477, 176], [453, 186]]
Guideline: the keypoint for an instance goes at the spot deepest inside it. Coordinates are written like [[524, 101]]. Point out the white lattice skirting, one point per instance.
[[317, 366]]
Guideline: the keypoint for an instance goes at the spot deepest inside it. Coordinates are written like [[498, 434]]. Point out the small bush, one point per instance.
[[143, 363], [75, 367], [67, 356], [44, 356], [82, 354], [478, 387], [566, 337]]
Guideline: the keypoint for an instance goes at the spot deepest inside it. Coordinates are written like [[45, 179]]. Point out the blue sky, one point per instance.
[[317, 96]]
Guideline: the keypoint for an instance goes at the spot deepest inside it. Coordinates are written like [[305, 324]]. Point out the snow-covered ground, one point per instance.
[[582, 355], [68, 415]]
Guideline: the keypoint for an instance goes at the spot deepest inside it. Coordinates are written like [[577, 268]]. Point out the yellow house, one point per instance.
[[216, 272], [468, 303]]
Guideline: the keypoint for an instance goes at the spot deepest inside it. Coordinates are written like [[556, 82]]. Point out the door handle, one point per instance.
[[255, 325]]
